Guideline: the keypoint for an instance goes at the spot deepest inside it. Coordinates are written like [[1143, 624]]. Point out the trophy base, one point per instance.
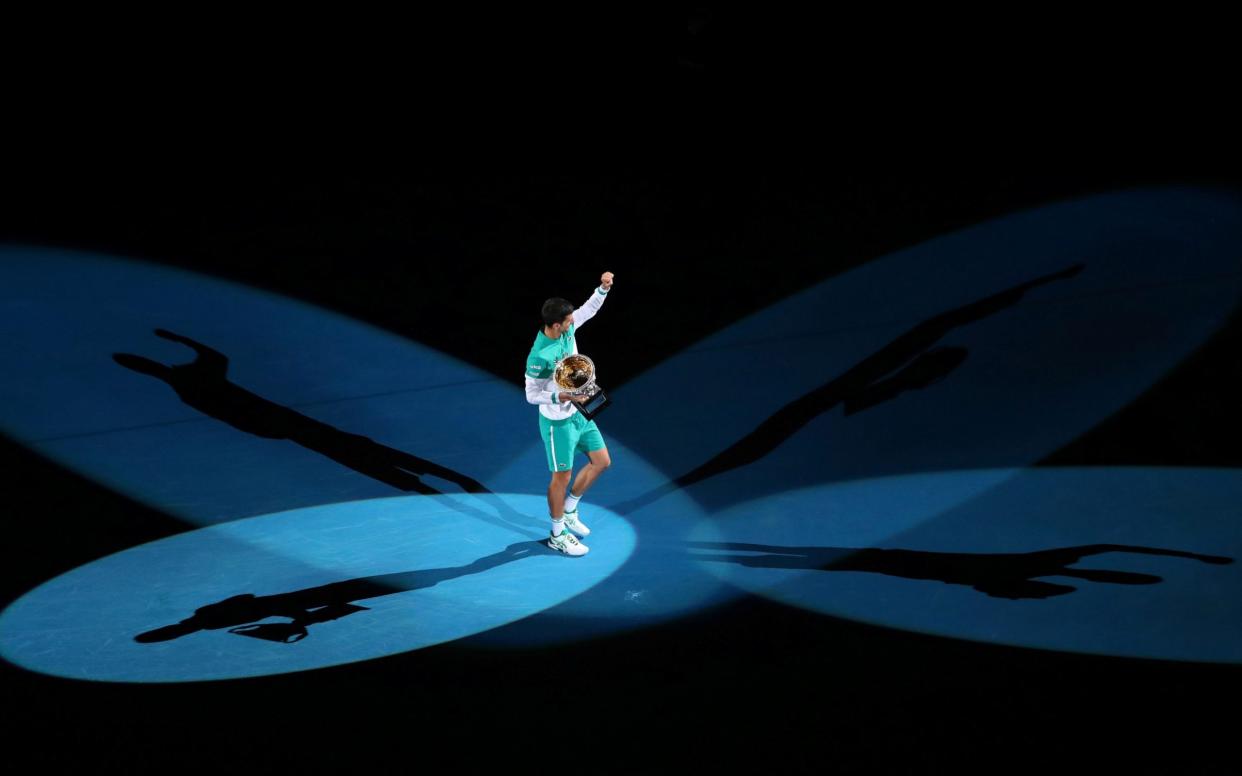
[[594, 405]]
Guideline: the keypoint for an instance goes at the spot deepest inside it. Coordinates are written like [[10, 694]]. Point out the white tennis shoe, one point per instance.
[[568, 544], [574, 524]]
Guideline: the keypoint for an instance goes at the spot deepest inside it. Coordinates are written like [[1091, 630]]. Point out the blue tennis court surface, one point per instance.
[[298, 590], [862, 450]]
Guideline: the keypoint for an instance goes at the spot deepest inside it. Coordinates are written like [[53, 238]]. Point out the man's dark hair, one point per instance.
[[555, 310]]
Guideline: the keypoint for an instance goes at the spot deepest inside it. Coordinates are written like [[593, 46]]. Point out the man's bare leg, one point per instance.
[[562, 539], [556, 494], [600, 460]]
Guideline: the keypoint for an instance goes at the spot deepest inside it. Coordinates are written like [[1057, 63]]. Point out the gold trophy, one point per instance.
[[575, 374]]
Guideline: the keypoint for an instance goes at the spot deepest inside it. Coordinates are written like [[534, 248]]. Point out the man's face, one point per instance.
[[565, 324]]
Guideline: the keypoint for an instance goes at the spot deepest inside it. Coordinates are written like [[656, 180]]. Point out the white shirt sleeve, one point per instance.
[[588, 310], [537, 391]]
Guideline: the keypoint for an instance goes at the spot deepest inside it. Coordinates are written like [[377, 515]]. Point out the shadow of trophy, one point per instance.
[[576, 375]]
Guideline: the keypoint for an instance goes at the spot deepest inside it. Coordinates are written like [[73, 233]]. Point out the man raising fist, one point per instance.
[[565, 431]]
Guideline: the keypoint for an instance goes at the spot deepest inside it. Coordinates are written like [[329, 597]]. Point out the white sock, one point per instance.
[[571, 502], [558, 526]]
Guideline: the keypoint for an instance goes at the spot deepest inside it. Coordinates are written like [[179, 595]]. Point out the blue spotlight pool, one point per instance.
[[211, 401], [1129, 562], [272, 404], [298, 590], [988, 348]]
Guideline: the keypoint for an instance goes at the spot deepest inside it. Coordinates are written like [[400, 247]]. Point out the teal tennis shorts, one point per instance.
[[562, 439]]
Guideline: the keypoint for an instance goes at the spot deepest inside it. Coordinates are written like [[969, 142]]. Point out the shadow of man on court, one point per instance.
[[203, 385], [242, 614], [910, 362], [1000, 575]]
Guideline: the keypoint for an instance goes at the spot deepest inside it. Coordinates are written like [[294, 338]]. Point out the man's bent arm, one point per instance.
[[588, 310]]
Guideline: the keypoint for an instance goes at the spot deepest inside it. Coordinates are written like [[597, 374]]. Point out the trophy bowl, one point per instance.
[[576, 374]]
